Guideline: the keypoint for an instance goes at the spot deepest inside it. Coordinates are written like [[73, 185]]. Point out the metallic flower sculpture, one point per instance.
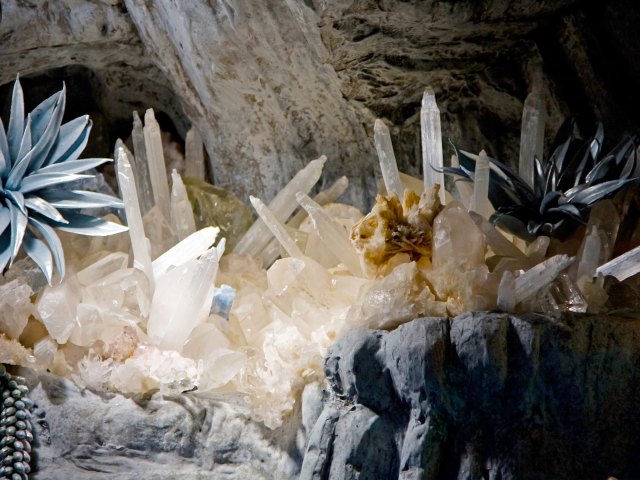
[[38, 158], [573, 179]]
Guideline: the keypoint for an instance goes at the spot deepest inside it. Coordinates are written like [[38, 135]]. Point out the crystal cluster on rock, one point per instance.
[[198, 295]]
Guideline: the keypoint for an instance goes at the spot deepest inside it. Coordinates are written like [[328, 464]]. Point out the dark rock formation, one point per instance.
[[482, 396]]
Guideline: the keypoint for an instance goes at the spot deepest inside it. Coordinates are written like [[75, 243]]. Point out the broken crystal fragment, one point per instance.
[[155, 160], [282, 206], [388, 166], [531, 135], [182, 219], [215, 207], [194, 155], [126, 181], [431, 135]]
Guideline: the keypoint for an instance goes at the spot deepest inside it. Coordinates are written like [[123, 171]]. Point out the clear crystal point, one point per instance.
[[480, 200], [282, 206], [155, 160], [431, 135], [182, 220], [194, 155], [531, 135], [388, 165], [538, 277], [141, 166], [128, 191], [623, 266], [276, 228], [332, 235]]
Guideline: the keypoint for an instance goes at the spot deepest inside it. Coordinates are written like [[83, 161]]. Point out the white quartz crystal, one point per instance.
[[388, 166], [277, 229], [181, 301], [182, 220], [531, 135], [141, 166], [129, 193], [155, 160], [191, 247], [282, 206], [333, 235], [538, 277], [15, 307], [466, 250], [480, 200], [623, 266], [431, 135], [194, 155]]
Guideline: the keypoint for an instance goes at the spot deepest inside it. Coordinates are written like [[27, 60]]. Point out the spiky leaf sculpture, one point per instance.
[[38, 158], [566, 186]]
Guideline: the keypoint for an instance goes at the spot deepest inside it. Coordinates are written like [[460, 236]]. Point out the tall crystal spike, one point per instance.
[[141, 167], [332, 235], [282, 206], [277, 229], [531, 135], [127, 183], [431, 134], [388, 166], [463, 189], [480, 200], [622, 267], [182, 220], [191, 247], [194, 155], [155, 160]]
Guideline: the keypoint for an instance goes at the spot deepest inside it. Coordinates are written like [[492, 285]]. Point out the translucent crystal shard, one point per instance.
[[276, 228], [182, 300], [15, 307], [506, 292], [589, 256], [480, 201], [155, 160], [194, 155], [191, 247], [332, 235], [622, 267], [182, 220], [128, 191], [282, 206], [456, 238], [431, 135], [605, 217], [325, 197], [213, 206], [531, 135], [141, 167], [538, 277], [567, 295], [388, 166]]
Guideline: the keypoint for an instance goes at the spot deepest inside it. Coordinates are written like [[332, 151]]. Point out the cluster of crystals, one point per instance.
[[161, 308], [15, 427]]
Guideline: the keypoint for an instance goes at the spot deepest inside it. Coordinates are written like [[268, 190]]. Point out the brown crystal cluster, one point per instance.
[[394, 231]]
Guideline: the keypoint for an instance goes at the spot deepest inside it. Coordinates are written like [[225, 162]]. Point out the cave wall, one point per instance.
[[271, 85]]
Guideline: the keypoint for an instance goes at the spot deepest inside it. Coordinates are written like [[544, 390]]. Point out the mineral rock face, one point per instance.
[[82, 436], [481, 396]]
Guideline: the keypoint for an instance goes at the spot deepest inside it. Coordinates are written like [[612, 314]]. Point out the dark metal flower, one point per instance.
[[38, 158], [566, 186]]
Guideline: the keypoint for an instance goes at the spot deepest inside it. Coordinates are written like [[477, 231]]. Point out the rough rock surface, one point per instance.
[[82, 436], [272, 84], [486, 396]]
